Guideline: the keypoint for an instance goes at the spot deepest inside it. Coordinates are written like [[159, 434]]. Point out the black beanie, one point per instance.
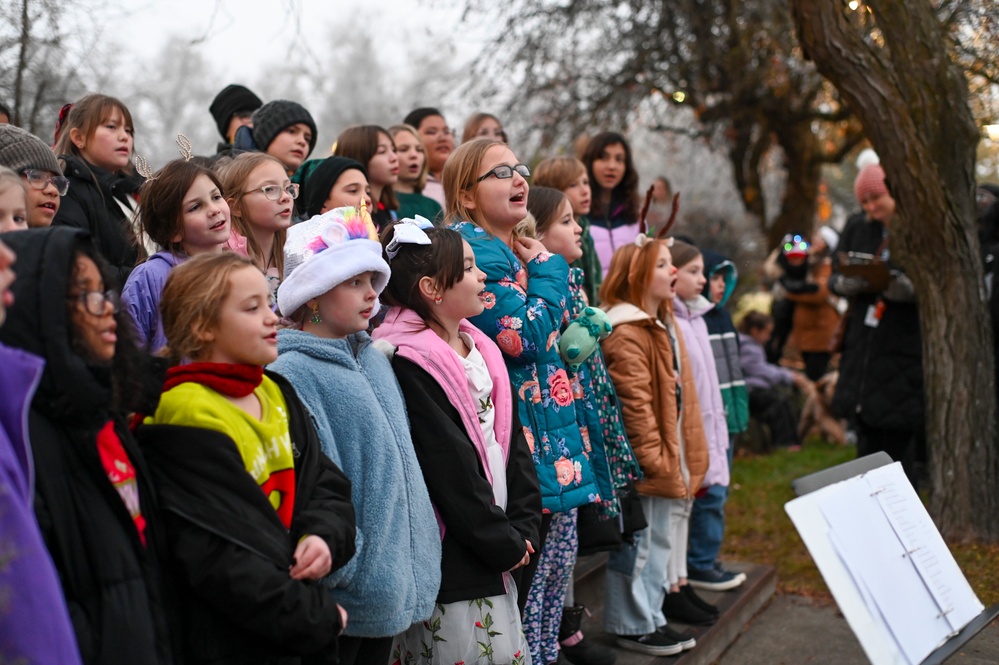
[[274, 117], [321, 179], [417, 116], [233, 99]]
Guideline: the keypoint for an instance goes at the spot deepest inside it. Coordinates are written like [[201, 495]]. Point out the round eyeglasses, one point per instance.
[[503, 172], [275, 192], [41, 179], [95, 302]]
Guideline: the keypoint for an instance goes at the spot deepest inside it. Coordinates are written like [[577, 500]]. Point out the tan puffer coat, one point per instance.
[[640, 361]]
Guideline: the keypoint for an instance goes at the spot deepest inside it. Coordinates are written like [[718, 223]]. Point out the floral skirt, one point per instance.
[[484, 631]]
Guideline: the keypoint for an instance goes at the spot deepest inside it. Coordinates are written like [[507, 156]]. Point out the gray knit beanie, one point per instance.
[[20, 150], [274, 117]]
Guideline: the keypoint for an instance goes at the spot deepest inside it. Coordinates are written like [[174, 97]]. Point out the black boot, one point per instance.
[[678, 606], [689, 592], [575, 647]]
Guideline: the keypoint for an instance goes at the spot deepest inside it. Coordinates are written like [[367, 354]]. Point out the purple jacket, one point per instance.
[[34, 622], [689, 318], [141, 296], [606, 241], [760, 374], [405, 330]]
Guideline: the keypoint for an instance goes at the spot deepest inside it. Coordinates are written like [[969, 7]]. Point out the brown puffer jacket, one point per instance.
[[640, 361], [815, 316]]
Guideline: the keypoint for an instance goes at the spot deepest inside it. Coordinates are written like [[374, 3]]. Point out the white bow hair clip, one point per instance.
[[408, 232]]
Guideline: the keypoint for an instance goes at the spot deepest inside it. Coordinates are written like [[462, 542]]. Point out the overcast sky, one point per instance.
[[242, 36]]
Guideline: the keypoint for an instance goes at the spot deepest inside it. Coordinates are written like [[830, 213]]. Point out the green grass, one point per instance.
[[759, 531]]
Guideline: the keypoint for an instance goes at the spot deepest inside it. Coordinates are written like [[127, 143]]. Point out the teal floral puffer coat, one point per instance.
[[526, 306]]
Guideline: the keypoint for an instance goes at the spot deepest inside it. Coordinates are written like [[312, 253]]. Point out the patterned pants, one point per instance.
[[543, 612]]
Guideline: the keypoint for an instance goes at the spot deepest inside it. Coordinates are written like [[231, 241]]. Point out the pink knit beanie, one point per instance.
[[870, 180]]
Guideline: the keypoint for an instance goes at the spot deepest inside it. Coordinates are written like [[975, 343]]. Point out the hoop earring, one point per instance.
[[315, 314]]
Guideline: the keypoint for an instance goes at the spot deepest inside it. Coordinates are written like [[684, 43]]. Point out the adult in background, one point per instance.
[[881, 372], [438, 143], [987, 196]]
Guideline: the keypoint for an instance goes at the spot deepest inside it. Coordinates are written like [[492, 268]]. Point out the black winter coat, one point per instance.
[[231, 554], [112, 583], [92, 204], [881, 371], [481, 541]]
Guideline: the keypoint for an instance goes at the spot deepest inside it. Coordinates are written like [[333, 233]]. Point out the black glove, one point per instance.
[[900, 288]]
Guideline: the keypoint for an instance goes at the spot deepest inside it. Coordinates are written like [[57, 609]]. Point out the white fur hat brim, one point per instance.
[[324, 270]]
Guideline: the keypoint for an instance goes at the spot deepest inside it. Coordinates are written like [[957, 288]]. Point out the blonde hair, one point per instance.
[[459, 176], [558, 172], [86, 116], [234, 176], [9, 178], [526, 228], [192, 299], [475, 121], [421, 182]]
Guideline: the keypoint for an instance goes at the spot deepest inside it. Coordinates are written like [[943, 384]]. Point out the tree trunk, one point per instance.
[[913, 104], [802, 161], [748, 142], [22, 62]]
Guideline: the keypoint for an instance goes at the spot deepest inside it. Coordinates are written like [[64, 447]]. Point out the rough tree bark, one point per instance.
[[913, 103]]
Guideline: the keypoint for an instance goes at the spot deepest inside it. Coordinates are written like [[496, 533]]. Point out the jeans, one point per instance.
[[636, 575], [707, 526], [707, 522]]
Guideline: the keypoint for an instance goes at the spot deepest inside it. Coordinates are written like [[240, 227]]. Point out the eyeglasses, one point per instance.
[[502, 172], [274, 192], [41, 180], [95, 301]]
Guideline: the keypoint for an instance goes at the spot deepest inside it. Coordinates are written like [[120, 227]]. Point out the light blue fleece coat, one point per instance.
[[359, 412]]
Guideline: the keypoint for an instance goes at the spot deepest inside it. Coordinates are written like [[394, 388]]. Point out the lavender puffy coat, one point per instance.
[[689, 317]]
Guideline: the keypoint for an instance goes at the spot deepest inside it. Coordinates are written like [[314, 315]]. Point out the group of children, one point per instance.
[[332, 420]]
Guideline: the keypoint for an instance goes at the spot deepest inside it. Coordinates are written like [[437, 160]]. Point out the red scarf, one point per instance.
[[229, 380]]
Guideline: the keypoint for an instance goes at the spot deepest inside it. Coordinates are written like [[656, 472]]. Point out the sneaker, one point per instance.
[[684, 639], [714, 579], [678, 607], [692, 596], [653, 644]]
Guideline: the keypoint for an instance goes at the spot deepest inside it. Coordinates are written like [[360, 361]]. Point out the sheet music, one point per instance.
[[868, 547], [886, 564], [927, 549]]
